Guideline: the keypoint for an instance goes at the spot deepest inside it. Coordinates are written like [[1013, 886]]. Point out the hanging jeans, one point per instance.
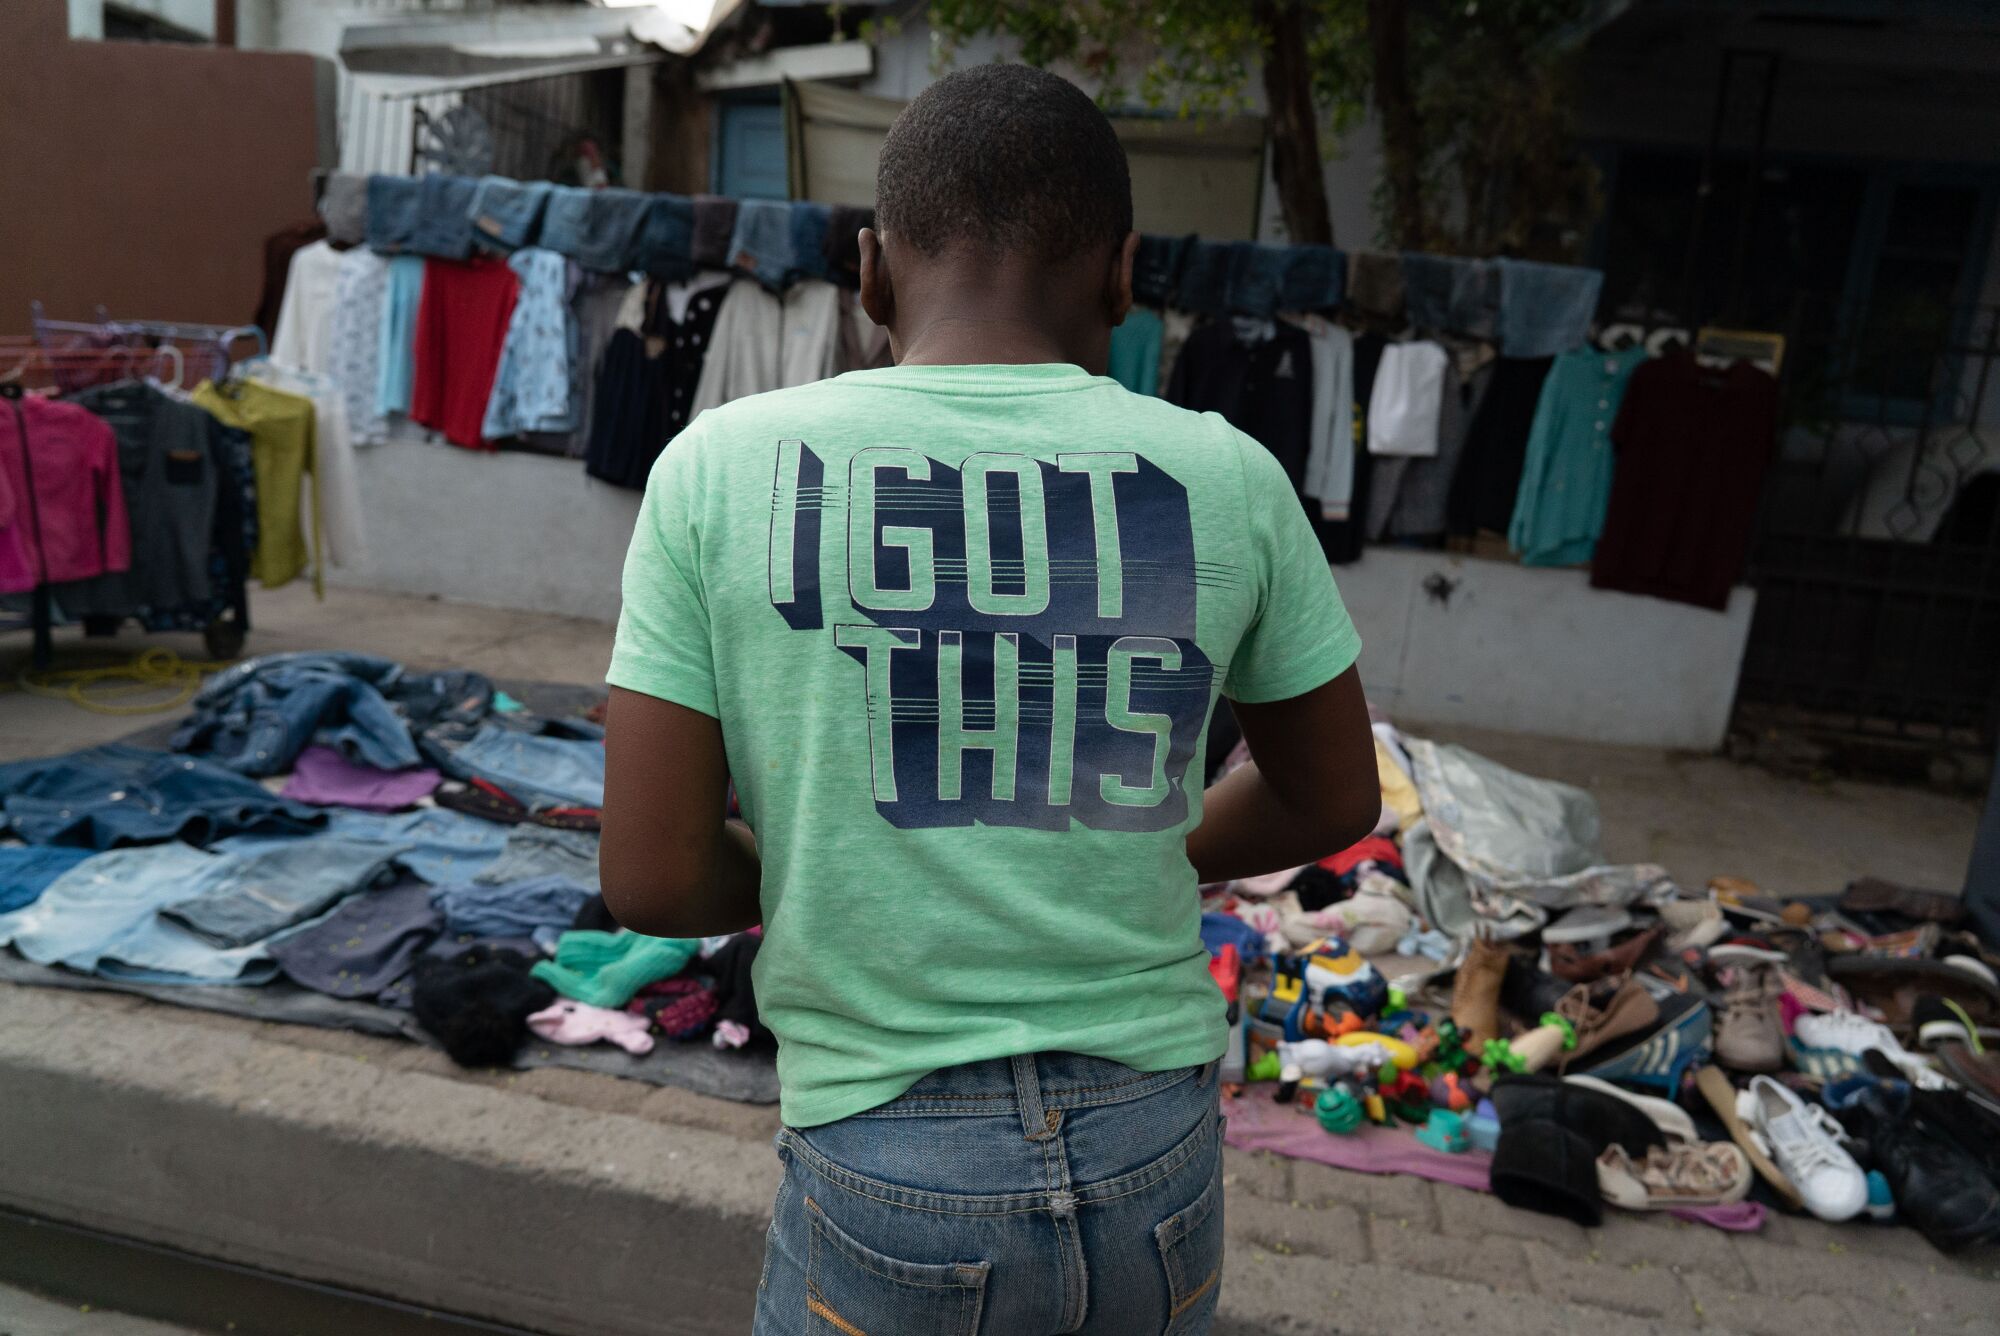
[[1036, 1194]]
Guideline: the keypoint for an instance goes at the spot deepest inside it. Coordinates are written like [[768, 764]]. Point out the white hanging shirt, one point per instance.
[[1408, 397], [303, 339]]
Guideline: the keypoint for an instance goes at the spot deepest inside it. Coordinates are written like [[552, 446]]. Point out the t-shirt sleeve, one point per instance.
[[1301, 637], [663, 647]]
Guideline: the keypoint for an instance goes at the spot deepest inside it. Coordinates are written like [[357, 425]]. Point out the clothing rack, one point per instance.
[[207, 349], [111, 356]]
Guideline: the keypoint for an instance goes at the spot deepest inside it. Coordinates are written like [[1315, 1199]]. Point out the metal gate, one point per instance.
[[1877, 562]]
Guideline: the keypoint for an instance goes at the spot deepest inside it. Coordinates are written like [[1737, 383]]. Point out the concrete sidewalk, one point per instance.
[[26, 1314], [573, 1203]]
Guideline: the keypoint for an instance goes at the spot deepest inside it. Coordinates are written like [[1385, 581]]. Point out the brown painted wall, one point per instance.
[[142, 175]]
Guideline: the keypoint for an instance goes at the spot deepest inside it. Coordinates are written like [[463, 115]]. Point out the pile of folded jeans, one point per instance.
[[338, 823]]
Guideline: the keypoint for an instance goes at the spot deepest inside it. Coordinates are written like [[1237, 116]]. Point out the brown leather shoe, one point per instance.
[[1630, 1010], [1566, 962], [1475, 993], [1979, 1073], [1749, 1034], [1873, 895], [1892, 985]]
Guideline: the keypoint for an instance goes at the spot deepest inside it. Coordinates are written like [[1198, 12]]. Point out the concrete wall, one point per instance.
[[503, 530], [1530, 651], [1458, 640], [142, 175]]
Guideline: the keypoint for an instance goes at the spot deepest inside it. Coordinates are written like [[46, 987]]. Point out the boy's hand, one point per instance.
[[1310, 789]]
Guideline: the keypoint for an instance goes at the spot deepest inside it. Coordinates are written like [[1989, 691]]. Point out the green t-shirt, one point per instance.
[[963, 628]]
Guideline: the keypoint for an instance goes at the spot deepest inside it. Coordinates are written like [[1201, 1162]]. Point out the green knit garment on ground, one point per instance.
[[606, 969]]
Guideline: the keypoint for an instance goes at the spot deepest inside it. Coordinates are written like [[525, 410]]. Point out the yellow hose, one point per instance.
[[99, 689]]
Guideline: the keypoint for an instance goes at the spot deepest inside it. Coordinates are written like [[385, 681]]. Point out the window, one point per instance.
[[1917, 262], [749, 161], [1868, 270]]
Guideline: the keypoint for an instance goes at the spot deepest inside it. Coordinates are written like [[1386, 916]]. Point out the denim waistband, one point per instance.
[[1034, 1085]]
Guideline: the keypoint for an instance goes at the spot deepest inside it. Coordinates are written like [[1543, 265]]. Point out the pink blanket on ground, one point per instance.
[[1257, 1123]]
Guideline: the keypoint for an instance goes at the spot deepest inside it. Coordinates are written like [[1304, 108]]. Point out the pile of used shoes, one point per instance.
[[1840, 1045], [1474, 973]]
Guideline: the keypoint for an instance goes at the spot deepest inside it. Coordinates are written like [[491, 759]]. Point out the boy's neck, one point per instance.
[[968, 340], [1000, 311]]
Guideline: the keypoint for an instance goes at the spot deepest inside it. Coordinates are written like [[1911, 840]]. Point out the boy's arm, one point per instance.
[[670, 864], [1310, 789]]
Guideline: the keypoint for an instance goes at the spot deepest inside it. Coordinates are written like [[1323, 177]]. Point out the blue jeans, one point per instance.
[[1038, 1194], [444, 216], [507, 212], [761, 243], [539, 771], [599, 229], [258, 716], [392, 211]]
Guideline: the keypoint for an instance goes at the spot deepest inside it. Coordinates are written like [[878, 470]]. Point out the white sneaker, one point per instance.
[[1827, 1178], [1856, 1034]]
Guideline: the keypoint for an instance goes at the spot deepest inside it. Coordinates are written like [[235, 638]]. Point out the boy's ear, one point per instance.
[[1118, 283], [878, 294]]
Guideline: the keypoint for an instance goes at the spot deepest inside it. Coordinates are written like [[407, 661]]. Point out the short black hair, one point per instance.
[[1004, 158]]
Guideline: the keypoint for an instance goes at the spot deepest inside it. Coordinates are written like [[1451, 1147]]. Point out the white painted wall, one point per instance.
[[500, 530], [1539, 651], [1531, 651]]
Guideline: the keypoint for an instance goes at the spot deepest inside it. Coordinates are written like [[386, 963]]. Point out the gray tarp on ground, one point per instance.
[[1497, 850], [747, 1078]]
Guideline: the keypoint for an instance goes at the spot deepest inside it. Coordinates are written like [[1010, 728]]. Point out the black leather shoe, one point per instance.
[[1962, 1122], [1938, 1187], [1601, 1120], [1527, 992]]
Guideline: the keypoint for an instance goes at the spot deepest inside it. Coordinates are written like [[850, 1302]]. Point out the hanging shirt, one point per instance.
[[1403, 408], [1261, 383], [1135, 351], [336, 496], [746, 352], [169, 464], [361, 296], [461, 329], [1410, 492], [1015, 556], [1496, 445], [532, 388], [811, 312], [1566, 479], [648, 377], [1693, 444], [398, 357], [1344, 539], [304, 336], [1330, 454], [283, 430], [232, 542], [594, 307], [62, 500], [279, 248]]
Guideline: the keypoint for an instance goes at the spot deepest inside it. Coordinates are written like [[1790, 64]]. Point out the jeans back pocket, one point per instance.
[[853, 1290], [1191, 1249]]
